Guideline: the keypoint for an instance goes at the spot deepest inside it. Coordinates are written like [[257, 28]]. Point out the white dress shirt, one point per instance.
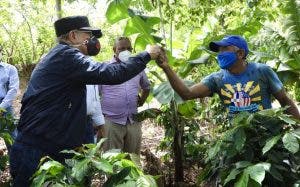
[[9, 84], [93, 104]]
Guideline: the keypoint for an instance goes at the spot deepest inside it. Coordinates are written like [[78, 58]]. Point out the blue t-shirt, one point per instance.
[[249, 91]]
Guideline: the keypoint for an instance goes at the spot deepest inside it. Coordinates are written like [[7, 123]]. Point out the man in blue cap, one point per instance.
[[242, 86], [53, 113]]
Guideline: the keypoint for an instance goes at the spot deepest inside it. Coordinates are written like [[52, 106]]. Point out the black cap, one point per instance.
[[66, 24]]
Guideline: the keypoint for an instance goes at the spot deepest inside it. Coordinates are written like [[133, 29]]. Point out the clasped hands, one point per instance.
[[158, 54]]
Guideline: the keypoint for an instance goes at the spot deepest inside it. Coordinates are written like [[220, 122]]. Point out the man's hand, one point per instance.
[[100, 132], [154, 51], [162, 60]]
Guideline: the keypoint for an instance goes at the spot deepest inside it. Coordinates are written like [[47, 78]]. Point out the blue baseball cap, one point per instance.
[[234, 40]]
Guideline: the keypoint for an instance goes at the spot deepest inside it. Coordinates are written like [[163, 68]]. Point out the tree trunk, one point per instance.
[[58, 9], [178, 145]]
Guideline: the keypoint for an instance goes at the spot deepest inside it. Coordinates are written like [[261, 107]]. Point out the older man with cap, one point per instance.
[[242, 86], [53, 113]]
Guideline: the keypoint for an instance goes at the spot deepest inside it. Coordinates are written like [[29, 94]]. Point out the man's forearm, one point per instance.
[[177, 84], [293, 110]]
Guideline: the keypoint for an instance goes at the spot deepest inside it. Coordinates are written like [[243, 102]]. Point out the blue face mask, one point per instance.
[[226, 59]]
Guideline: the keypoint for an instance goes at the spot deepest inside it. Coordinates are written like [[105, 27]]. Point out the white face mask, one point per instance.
[[124, 56]]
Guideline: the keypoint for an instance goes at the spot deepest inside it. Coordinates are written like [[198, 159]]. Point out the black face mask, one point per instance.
[[93, 46]]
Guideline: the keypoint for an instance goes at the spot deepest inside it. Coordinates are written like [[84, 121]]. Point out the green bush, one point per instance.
[[260, 149]]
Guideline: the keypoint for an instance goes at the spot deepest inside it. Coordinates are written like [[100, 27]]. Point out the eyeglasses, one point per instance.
[[87, 32]]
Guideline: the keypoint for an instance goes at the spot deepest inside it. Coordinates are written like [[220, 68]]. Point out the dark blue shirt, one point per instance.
[[53, 113]]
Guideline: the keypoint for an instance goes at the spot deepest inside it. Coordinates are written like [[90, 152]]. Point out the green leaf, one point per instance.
[[164, 93], [270, 143], [287, 119], [80, 169], [242, 181], [187, 109], [232, 175], [39, 180], [240, 138], [117, 178], [290, 142], [242, 164], [137, 25], [257, 171], [117, 10], [103, 165], [146, 181], [213, 151]]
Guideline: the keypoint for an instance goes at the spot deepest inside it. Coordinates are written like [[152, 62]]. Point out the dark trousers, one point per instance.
[[24, 161], [89, 132]]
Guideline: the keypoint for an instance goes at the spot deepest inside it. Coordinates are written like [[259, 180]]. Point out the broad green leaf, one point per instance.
[[270, 143], [213, 151], [242, 164], [232, 175], [39, 180], [146, 181], [257, 171], [140, 43], [80, 169], [287, 119], [151, 21], [103, 165], [290, 142], [242, 181], [187, 109], [117, 178], [240, 138], [296, 133], [52, 167], [137, 25], [164, 93], [117, 10]]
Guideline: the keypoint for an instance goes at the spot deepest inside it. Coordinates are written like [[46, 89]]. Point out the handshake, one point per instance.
[[158, 54]]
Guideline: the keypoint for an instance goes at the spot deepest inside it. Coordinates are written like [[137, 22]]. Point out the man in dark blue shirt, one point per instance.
[[53, 113]]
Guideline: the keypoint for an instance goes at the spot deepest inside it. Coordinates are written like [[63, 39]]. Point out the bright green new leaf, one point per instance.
[[187, 109], [290, 142], [270, 143], [137, 25], [117, 10]]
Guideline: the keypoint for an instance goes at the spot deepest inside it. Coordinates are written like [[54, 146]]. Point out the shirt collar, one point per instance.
[[1, 63]]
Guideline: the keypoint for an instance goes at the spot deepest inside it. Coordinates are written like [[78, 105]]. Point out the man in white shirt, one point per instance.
[[9, 86], [95, 117]]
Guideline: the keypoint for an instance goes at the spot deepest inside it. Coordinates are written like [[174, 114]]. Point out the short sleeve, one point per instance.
[[210, 82], [274, 83]]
